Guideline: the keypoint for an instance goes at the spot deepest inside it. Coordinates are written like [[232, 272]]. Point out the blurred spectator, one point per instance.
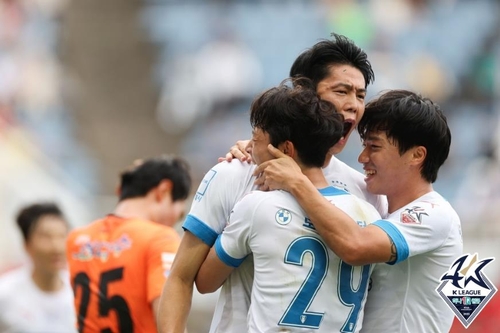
[[478, 197], [38, 297], [207, 95]]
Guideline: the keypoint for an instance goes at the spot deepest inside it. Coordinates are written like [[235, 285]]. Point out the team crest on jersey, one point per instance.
[[89, 249], [413, 215], [465, 288], [200, 192], [283, 216]]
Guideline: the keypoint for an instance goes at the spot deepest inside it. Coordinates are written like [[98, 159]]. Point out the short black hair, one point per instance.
[[410, 120], [296, 113], [29, 216], [144, 175], [315, 62]]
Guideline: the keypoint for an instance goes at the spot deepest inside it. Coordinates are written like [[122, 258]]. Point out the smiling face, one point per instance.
[[345, 88], [386, 170]]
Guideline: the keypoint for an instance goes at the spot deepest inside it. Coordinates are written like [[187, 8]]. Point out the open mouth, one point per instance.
[[347, 127]]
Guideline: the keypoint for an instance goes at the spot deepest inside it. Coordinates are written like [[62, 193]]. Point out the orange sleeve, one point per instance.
[[160, 255]]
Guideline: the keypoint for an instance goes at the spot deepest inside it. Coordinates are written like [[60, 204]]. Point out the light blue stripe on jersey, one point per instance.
[[397, 237], [224, 257], [200, 230], [331, 191]]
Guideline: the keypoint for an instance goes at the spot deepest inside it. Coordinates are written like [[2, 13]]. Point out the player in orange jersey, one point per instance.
[[118, 264]]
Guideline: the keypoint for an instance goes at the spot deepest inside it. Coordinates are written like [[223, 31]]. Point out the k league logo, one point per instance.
[[465, 288]]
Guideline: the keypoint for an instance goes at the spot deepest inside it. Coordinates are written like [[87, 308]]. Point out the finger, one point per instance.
[[263, 187], [259, 181], [240, 155], [229, 157], [242, 144], [260, 168], [275, 151]]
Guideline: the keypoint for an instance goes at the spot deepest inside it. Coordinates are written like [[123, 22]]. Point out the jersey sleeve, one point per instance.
[[232, 246], [160, 255], [215, 197], [417, 229]]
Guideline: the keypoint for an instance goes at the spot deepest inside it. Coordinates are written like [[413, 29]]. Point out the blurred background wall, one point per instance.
[[88, 86]]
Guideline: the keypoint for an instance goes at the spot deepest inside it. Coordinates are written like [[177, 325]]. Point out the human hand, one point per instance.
[[278, 173], [239, 151]]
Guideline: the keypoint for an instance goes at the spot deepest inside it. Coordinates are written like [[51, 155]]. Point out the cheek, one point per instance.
[[335, 100], [178, 210], [360, 113]]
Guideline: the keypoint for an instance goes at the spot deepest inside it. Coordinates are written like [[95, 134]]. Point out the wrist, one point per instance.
[[298, 184]]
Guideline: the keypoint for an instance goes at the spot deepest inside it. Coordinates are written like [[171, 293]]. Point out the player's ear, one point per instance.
[[419, 154], [164, 188], [287, 148]]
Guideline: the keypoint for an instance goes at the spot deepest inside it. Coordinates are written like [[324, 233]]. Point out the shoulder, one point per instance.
[[234, 168], [356, 207], [86, 229], [11, 279], [337, 166], [147, 229], [259, 202], [431, 207], [225, 179], [262, 198]]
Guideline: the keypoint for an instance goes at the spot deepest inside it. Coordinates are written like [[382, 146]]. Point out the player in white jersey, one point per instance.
[[406, 140], [427, 237], [340, 72], [38, 297], [24, 307], [296, 277], [221, 188]]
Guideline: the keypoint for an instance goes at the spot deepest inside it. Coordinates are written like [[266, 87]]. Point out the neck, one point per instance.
[[133, 208], [48, 282], [405, 196], [316, 176]]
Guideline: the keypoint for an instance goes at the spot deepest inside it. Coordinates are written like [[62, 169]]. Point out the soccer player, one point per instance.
[[406, 139], [340, 72], [298, 283], [118, 264], [38, 297]]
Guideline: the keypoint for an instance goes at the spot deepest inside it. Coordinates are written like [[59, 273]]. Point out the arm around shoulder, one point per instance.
[[353, 244]]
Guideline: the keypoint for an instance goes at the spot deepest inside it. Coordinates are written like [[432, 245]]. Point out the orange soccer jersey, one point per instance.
[[118, 267]]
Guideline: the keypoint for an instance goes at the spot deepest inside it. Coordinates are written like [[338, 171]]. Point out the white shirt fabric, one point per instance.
[[342, 176], [298, 282], [27, 309], [221, 188], [428, 238]]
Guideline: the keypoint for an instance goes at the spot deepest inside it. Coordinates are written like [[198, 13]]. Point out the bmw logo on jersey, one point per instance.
[[283, 216]]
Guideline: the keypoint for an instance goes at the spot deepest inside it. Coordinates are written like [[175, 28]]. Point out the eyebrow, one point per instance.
[[348, 86], [373, 137]]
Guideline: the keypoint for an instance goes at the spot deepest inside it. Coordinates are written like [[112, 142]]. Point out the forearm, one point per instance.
[[175, 304], [212, 273], [340, 232]]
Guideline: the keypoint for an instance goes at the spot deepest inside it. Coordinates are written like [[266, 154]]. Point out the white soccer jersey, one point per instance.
[[25, 308], [299, 284], [403, 299], [220, 189], [342, 176]]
